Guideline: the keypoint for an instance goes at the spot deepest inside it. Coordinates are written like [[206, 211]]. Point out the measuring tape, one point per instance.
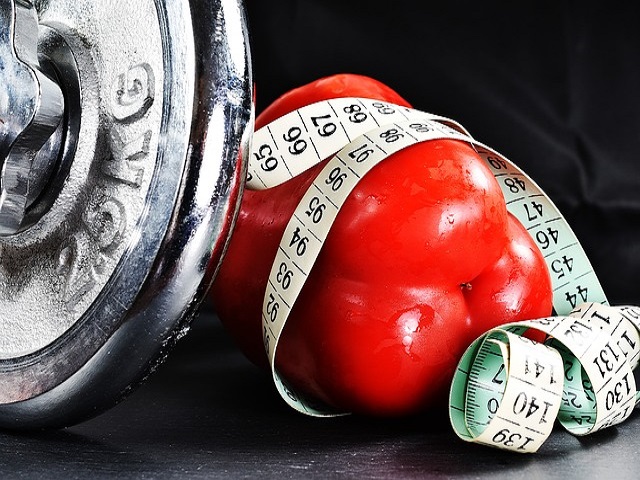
[[360, 133], [508, 390]]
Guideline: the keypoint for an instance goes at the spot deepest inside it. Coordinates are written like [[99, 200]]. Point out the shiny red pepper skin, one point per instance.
[[422, 259]]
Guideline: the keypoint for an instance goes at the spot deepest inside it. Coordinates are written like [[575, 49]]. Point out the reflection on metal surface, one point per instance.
[[132, 223], [31, 109]]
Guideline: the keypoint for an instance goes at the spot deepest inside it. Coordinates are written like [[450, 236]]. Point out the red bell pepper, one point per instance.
[[421, 260]]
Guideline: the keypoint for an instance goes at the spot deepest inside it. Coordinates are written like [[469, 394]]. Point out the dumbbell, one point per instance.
[[124, 130]]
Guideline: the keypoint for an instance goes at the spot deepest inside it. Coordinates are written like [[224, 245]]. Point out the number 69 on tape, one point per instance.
[[364, 133]]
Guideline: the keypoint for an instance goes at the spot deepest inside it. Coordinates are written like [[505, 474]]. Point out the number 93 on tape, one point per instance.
[[508, 389]]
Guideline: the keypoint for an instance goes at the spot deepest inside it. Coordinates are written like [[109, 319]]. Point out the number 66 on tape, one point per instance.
[[508, 389]]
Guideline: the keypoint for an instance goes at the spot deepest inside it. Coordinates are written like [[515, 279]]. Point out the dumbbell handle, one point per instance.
[[31, 110]]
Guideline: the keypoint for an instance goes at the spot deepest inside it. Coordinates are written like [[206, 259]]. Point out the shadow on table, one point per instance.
[[208, 412]]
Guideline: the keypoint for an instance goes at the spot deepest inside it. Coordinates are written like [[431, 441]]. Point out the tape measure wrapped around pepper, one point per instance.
[[386, 240], [421, 258]]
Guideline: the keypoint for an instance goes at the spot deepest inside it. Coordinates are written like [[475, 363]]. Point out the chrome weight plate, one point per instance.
[[124, 127]]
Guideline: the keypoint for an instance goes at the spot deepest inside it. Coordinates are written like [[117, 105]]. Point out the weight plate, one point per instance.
[[132, 224]]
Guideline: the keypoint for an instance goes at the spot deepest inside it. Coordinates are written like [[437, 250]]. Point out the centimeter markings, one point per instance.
[[520, 396], [573, 278], [357, 134], [303, 138], [309, 226], [487, 382], [597, 347], [607, 360]]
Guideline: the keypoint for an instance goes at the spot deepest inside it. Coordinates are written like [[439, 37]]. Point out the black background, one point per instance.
[[553, 85]]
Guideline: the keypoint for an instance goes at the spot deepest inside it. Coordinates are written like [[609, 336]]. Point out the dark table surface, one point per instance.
[[209, 413]]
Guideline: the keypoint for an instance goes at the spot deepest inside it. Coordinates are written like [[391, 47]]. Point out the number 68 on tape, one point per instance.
[[359, 134]]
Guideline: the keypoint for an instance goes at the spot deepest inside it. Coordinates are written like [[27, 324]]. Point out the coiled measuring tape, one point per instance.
[[505, 383]]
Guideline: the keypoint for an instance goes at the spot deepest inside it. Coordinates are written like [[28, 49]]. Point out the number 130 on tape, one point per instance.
[[504, 376]]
